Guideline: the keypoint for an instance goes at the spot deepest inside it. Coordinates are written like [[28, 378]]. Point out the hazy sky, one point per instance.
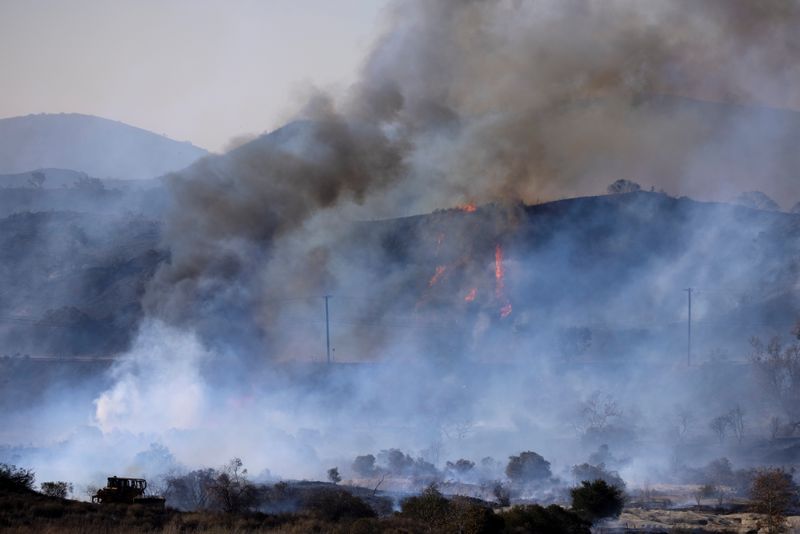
[[199, 70]]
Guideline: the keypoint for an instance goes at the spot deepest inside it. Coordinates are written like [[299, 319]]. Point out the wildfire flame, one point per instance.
[[471, 295], [499, 271], [437, 275], [469, 207], [499, 277]]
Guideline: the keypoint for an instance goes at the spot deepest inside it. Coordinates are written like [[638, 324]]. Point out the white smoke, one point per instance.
[[157, 386]]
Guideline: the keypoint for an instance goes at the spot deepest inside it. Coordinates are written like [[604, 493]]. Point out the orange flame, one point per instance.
[[437, 275], [471, 295], [499, 271], [469, 207], [499, 276]]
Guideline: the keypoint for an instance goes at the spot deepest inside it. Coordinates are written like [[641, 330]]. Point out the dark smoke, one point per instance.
[[490, 101]]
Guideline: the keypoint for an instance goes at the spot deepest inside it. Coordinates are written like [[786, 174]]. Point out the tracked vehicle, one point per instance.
[[121, 490]]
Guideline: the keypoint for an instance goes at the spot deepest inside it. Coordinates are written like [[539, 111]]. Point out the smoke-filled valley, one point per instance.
[[528, 226]]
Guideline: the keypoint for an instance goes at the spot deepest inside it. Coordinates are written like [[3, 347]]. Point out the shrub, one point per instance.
[[364, 465], [397, 462], [590, 472], [334, 476], [623, 186], [430, 507], [501, 493], [527, 467], [597, 500], [460, 514], [13, 478], [469, 517], [58, 489], [461, 466], [550, 520], [336, 504]]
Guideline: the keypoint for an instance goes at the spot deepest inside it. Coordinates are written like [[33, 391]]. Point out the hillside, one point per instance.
[[65, 178], [98, 147], [613, 266], [78, 281]]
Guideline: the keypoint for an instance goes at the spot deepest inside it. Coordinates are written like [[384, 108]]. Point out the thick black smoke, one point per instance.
[[480, 101]]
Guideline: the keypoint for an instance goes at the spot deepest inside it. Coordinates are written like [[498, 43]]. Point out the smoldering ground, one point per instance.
[[469, 319]]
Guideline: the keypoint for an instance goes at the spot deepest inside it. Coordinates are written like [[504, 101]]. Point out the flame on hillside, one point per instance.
[[468, 208], [499, 277], [440, 270], [499, 271]]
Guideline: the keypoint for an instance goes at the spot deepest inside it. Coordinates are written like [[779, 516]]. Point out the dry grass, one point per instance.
[[689, 520]]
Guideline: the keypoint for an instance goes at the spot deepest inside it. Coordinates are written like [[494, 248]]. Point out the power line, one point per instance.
[[327, 329], [689, 329]]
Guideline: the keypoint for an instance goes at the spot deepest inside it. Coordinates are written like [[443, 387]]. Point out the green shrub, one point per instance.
[[58, 489], [336, 504], [527, 467], [541, 520], [430, 507], [439, 514], [597, 500]]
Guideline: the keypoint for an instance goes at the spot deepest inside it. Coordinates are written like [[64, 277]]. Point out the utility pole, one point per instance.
[[689, 329], [327, 329]]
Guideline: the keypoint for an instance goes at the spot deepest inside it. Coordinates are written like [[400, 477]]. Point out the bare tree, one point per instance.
[[231, 489], [190, 491], [778, 366], [458, 429], [719, 425], [736, 422], [684, 422], [706, 491], [378, 485], [772, 494], [598, 411]]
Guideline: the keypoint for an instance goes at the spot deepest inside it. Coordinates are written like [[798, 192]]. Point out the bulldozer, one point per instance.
[[121, 490]]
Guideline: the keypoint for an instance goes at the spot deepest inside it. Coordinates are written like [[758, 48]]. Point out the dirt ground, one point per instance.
[[687, 520]]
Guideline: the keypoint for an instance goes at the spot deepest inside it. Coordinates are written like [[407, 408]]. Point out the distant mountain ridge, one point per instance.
[[61, 178], [96, 146]]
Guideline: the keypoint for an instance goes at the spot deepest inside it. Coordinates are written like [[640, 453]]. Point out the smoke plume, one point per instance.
[[488, 328]]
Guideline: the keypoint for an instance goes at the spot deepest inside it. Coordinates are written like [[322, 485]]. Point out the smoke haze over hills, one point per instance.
[[479, 320]]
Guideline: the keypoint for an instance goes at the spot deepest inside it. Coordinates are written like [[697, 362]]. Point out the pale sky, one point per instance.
[[203, 71]]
